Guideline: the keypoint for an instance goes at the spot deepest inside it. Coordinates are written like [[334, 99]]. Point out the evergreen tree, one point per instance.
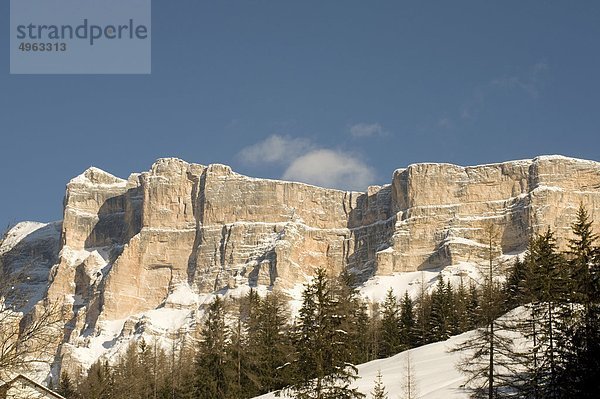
[[461, 310], [423, 311], [473, 307], [547, 282], [126, 376], [374, 332], [151, 368], [237, 363], [321, 367], [183, 371], [452, 308], [440, 314], [139, 373], [354, 318], [242, 354], [66, 388], [526, 381], [362, 335], [514, 290], [271, 344], [580, 374], [407, 323], [545, 322], [211, 380], [390, 342], [584, 255], [99, 383], [379, 391]]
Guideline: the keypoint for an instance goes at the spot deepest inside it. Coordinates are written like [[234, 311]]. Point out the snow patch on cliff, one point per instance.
[[25, 230]]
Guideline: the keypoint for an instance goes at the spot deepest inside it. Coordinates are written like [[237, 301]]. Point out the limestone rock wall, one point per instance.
[[213, 229], [442, 209], [131, 246]]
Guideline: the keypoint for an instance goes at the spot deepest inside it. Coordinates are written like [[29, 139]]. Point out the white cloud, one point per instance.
[[275, 149], [361, 130], [305, 162], [329, 168]]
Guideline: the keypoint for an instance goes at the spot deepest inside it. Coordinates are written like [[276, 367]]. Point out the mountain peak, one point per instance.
[[96, 176]]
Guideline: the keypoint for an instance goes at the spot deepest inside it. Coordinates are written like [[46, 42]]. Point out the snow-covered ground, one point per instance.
[[433, 368]]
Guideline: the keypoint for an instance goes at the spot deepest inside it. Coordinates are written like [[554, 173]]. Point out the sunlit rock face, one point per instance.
[[129, 251]]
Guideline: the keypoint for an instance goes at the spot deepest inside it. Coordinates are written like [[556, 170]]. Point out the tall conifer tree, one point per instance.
[[390, 342], [322, 370], [407, 323], [212, 379]]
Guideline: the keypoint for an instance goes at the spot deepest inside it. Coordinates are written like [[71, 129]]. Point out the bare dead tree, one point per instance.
[[487, 360], [409, 381], [28, 330]]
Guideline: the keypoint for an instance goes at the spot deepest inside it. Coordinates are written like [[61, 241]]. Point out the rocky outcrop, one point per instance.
[[162, 240], [441, 209]]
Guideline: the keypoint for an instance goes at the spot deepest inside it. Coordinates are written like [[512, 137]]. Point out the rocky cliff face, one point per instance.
[[145, 254]]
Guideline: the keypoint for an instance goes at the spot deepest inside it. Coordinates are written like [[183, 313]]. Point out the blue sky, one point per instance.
[[295, 89]]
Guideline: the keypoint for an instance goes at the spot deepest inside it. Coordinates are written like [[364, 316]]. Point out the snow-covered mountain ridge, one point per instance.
[[145, 255]]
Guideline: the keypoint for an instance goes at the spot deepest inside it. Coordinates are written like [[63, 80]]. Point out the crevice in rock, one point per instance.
[[199, 184]]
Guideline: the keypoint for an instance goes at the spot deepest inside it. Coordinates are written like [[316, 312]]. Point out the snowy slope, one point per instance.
[[433, 368], [30, 230]]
